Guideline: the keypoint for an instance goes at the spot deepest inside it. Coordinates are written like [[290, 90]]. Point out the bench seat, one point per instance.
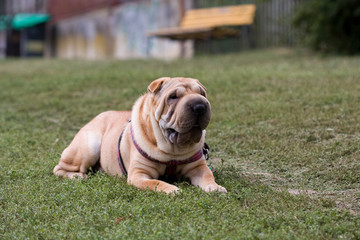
[[209, 23]]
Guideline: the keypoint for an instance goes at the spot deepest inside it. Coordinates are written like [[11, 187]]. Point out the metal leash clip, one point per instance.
[[206, 151]]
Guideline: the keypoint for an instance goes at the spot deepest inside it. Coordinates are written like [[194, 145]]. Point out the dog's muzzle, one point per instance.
[[189, 120]]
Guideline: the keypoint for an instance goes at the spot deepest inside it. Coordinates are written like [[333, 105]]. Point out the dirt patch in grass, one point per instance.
[[343, 199], [347, 200]]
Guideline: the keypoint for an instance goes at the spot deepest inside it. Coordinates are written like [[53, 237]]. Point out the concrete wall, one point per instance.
[[2, 44], [121, 32], [25, 6]]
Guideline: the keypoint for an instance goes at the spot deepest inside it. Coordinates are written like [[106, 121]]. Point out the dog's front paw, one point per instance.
[[214, 187], [172, 191], [167, 188]]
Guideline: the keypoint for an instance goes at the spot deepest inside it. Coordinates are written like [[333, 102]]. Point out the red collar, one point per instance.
[[170, 165]]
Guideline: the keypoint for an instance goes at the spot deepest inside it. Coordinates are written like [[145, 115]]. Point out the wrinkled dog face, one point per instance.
[[182, 111]]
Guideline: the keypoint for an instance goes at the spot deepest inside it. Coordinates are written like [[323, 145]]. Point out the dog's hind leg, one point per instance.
[[80, 155]]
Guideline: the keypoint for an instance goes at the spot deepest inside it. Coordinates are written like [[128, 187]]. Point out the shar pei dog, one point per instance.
[[164, 134]]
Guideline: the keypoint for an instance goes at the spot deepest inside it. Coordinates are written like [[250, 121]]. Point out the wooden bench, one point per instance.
[[208, 23]]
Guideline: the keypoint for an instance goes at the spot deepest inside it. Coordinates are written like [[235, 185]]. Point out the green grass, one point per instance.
[[284, 122]]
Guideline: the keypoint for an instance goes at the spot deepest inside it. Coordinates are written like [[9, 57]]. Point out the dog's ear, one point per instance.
[[156, 85]]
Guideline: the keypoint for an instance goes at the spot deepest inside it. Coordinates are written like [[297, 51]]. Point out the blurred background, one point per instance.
[[119, 29]]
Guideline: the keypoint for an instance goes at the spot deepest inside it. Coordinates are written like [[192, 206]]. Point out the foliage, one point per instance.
[[330, 26]]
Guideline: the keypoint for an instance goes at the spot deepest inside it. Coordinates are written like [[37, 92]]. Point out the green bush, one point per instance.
[[330, 26]]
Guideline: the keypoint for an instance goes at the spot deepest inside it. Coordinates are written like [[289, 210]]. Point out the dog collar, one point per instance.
[[170, 165]]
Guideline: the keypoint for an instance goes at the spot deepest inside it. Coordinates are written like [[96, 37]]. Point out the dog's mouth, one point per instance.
[[191, 136]]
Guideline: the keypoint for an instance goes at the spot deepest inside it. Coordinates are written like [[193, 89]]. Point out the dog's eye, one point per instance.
[[173, 96], [202, 92]]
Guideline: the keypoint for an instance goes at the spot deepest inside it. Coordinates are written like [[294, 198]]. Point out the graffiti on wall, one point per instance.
[[120, 32], [83, 37], [134, 20]]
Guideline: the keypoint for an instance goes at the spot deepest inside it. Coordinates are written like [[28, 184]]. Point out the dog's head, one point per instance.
[[181, 109]]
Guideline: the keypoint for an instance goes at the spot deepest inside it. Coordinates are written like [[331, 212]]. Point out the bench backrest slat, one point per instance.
[[219, 16]]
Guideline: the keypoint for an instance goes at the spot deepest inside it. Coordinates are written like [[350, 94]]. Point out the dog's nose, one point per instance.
[[199, 108]]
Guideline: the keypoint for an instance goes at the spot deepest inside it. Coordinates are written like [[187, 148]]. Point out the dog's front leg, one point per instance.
[[201, 176], [144, 181]]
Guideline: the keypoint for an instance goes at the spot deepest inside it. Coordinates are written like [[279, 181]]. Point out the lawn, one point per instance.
[[284, 138]]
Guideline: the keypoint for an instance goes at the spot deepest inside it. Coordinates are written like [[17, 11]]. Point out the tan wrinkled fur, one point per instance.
[[97, 140]]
